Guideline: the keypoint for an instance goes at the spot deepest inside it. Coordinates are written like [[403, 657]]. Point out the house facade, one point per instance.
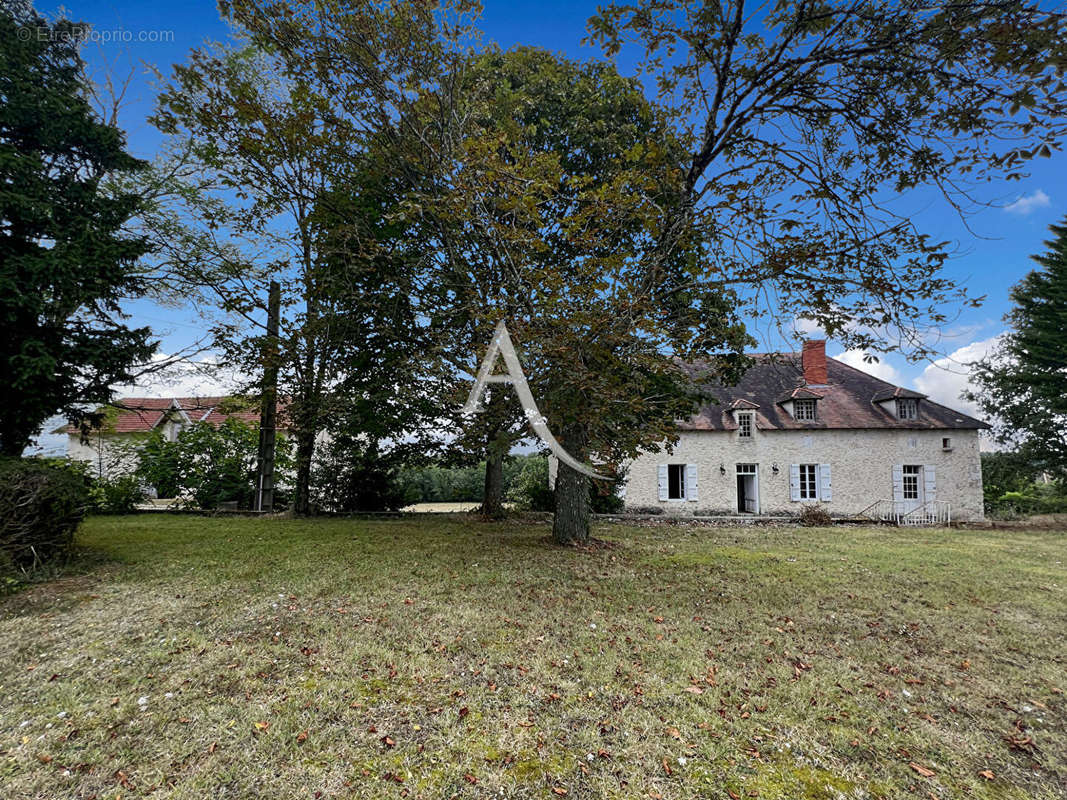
[[803, 429], [113, 448]]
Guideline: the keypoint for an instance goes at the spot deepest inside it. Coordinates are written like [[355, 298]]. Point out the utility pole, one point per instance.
[[268, 413]]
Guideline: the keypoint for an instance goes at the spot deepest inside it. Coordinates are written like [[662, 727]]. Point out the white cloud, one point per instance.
[[1026, 203], [946, 378], [185, 378], [882, 369], [808, 328]]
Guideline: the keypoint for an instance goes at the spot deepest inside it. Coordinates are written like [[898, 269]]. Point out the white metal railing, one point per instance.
[[905, 512]]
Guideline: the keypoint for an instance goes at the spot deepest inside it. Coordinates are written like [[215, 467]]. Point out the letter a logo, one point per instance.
[[501, 345]]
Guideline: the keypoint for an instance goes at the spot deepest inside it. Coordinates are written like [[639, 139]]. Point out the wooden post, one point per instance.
[[268, 413]]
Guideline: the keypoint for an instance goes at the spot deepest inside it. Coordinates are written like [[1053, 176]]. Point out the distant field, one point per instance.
[[442, 508], [205, 658]]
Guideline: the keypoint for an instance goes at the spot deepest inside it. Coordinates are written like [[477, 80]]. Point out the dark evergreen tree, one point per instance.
[[65, 264], [1022, 386]]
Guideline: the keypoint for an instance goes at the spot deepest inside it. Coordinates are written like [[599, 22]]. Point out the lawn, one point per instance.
[[187, 657]]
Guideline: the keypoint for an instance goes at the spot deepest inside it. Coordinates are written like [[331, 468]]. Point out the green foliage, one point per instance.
[[41, 505], [1014, 485], [349, 476], [159, 464], [529, 489], [65, 263], [1033, 499], [1022, 386], [118, 495], [452, 484], [211, 465]]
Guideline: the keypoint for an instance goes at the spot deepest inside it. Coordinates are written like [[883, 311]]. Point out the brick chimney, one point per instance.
[[813, 360]]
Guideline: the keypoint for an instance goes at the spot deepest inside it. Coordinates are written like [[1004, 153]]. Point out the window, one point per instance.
[[804, 410], [676, 481], [744, 425], [907, 408], [911, 481], [946, 443], [809, 482]]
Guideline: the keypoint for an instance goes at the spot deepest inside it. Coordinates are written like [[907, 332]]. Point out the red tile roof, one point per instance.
[[849, 400], [143, 414]]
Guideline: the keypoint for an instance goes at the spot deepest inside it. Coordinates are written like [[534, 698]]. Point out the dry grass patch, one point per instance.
[[438, 658]]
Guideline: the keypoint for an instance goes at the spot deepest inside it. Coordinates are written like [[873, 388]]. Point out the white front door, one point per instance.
[[913, 489]]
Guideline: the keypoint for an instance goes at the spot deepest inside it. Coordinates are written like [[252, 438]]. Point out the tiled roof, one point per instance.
[[849, 400], [143, 414]]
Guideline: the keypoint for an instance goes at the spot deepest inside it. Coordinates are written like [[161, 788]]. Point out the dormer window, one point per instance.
[[907, 408], [804, 410], [744, 424]]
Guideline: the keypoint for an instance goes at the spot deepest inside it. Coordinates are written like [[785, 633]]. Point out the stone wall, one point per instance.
[[861, 463]]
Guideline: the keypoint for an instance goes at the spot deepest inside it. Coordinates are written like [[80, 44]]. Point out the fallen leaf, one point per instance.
[[470, 779], [987, 774], [262, 726], [926, 773], [694, 690], [559, 790], [464, 712], [211, 748], [44, 758], [666, 767], [388, 741], [302, 736]]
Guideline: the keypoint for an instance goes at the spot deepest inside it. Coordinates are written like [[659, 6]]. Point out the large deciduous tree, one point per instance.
[[806, 121], [261, 158], [563, 173], [1022, 385], [65, 262], [282, 186]]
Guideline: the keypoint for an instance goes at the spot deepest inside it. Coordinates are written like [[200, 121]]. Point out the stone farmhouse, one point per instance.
[[112, 449], [806, 429]]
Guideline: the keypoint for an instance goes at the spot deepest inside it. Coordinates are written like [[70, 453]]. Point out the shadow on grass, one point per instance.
[[38, 591]]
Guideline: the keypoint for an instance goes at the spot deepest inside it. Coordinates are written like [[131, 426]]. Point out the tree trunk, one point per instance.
[[570, 523], [305, 452], [493, 499], [498, 443]]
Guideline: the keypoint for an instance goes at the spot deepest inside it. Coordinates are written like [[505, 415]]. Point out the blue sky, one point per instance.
[[986, 266]]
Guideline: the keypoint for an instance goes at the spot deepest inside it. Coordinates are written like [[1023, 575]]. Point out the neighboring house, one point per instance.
[[113, 448], [805, 429]]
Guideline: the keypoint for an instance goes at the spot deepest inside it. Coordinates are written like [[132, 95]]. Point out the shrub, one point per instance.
[[529, 489], [603, 498], [349, 476], [814, 516], [41, 505], [213, 465], [117, 495], [159, 465]]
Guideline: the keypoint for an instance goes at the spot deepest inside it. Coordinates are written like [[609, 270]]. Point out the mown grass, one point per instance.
[[210, 658]]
